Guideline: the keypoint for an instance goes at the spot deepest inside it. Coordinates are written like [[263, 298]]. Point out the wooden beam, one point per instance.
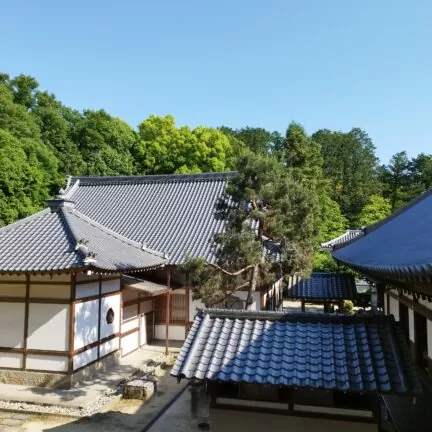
[[99, 315], [167, 313], [72, 324]]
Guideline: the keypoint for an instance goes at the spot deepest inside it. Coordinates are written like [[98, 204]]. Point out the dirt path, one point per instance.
[[124, 415]]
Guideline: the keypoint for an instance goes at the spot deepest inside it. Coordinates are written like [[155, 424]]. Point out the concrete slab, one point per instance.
[[82, 395]]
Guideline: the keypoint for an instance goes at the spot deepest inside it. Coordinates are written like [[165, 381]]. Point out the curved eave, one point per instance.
[[409, 273]]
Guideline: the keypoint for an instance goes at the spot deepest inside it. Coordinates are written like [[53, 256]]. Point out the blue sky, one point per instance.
[[333, 64]]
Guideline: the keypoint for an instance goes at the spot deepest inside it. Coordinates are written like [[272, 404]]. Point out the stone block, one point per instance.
[[139, 388]]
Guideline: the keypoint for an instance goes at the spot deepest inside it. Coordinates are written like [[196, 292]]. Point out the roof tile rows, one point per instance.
[[322, 286], [168, 213], [367, 354]]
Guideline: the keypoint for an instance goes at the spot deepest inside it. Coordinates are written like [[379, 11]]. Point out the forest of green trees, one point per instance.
[[42, 141]]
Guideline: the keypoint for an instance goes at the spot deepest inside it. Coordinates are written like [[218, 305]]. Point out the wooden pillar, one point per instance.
[[187, 309], [303, 306], [167, 313], [194, 399], [99, 315]]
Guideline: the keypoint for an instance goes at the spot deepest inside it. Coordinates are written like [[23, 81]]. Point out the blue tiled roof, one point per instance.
[[334, 352], [399, 246], [321, 286], [169, 213]]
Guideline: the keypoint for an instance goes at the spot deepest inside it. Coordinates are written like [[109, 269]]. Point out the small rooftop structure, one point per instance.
[[320, 351], [346, 237], [322, 287]]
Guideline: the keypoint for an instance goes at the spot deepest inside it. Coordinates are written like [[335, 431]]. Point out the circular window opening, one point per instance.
[[110, 316]]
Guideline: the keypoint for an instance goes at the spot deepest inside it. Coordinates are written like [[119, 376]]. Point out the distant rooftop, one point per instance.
[[174, 213]]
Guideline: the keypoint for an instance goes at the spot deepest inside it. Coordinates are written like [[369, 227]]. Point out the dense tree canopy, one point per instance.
[[263, 205], [43, 141]]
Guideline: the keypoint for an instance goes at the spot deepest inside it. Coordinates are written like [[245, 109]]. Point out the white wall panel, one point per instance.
[[411, 324], [129, 325], [175, 332], [110, 302], [129, 343], [143, 330], [12, 320], [109, 346], [87, 290], [394, 308], [193, 306], [429, 338], [86, 323], [66, 277], [85, 358], [48, 327], [11, 360], [110, 286], [47, 363]]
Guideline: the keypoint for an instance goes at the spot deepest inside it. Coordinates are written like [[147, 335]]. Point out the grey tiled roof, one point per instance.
[[399, 247], [322, 286], [346, 353], [346, 237], [50, 241], [169, 213]]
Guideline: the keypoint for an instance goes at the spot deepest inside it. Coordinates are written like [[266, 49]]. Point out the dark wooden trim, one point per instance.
[[26, 321], [187, 295], [287, 412], [96, 343], [139, 320], [416, 307], [13, 282], [49, 300], [54, 283], [33, 351], [12, 299], [96, 297], [129, 332], [131, 302], [97, 280]]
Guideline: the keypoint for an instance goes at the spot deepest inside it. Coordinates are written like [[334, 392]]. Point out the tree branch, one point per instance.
[[230, 293], [229, 273]]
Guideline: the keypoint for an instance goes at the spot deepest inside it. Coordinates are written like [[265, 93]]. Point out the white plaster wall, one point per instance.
[[12, 319], [87, 290], [109, 346], [429, 337], [48, 327], [11, 360], [175, 332], [256, 299], [110, 302], [16, 290], [143, 331], [193, 306], [85, 358], [129, 343], [50, 291], [110, 286], [411, 324], [146, 306], [47, 363], [129, 325], [86, 323], [394, 308], [130, 312]]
